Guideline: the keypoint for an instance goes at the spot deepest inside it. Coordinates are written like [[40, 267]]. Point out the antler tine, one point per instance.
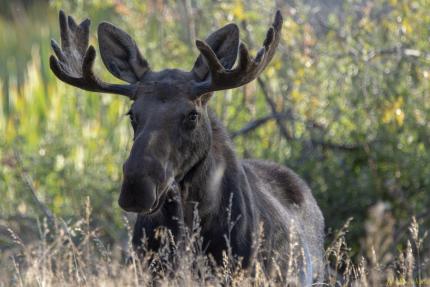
[[213, 62], [74, 61], [247, 68]]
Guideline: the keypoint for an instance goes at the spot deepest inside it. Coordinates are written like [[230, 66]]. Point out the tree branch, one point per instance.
[[279, 117], [282, 128], [255, 124], [252, 125], [28, 181]]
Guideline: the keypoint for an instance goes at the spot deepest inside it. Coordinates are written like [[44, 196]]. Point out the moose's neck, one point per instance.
[[215, 179]]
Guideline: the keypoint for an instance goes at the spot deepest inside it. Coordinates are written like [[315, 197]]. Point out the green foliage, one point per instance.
[[354, 90]]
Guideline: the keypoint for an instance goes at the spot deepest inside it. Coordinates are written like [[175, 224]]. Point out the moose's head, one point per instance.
[[172, 132]]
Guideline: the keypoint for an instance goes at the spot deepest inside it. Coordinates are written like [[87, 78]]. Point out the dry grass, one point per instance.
[[73, 255]]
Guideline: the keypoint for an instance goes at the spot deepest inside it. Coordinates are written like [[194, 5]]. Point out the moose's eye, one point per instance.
[[193, 116], [191, 120]]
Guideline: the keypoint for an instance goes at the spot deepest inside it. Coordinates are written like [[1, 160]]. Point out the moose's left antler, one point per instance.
[[247, 68], [74, 62]]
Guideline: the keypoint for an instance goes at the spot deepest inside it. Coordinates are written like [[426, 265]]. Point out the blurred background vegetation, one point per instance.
[[345, 103]]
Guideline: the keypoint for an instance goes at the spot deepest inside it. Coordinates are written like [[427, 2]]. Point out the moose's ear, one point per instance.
[[120, 54], [225, 43]]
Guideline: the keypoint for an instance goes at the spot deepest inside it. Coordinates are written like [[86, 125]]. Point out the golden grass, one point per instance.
[[74, 255]]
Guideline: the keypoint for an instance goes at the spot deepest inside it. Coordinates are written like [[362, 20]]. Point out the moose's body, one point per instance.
[[258, 192], [182, 159], [286, 203]]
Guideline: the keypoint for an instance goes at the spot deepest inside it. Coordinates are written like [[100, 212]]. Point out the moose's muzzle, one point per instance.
[[138, 195]]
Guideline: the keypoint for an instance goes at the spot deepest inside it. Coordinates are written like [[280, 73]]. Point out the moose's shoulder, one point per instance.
[[285, 184]]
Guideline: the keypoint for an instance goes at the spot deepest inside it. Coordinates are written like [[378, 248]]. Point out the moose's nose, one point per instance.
[[137, 194]]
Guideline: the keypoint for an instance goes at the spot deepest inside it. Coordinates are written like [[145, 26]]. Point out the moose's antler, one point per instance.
[[75, 61], [247, 68]]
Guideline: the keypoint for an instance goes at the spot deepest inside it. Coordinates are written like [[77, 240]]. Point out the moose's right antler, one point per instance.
[[247, 68], [75, 61]]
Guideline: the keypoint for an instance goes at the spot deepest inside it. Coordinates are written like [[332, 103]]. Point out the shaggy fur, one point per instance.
[[260, 192], [182, 160]]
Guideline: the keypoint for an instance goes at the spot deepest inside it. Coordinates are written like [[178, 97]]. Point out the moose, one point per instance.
[[182, 161]]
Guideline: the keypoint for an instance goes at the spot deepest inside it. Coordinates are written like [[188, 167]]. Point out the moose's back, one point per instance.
[[283, 198]]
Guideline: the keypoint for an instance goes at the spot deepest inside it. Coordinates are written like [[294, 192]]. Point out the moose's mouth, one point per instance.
[[160, 199], [159, 202]]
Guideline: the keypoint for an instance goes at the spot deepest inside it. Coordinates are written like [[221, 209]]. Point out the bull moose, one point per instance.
[[182, 160]]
